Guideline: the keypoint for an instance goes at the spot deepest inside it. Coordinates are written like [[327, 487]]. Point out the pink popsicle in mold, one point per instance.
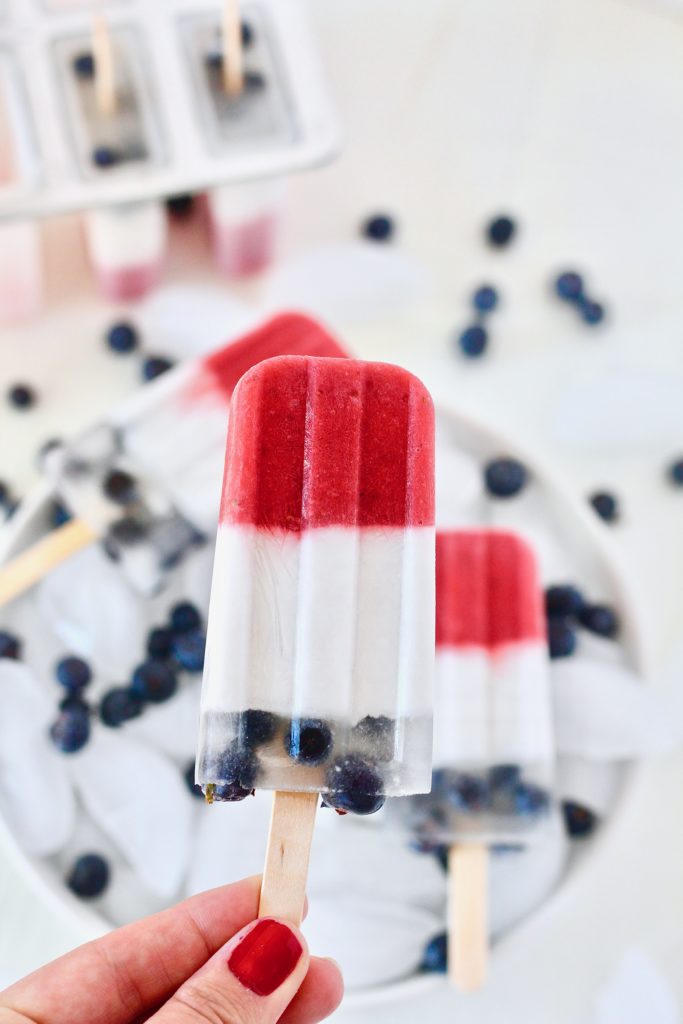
[[245, 222], [127, 249]]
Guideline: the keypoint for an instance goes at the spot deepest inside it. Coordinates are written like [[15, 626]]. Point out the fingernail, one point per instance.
[[265, 957]]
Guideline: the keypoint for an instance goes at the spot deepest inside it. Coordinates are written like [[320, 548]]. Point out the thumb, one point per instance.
[[250, 980]]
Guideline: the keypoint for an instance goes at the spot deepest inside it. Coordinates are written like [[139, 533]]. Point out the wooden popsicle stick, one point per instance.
[[105, 75], [468, 932], [32, 565], [283, 889], [233, 64]]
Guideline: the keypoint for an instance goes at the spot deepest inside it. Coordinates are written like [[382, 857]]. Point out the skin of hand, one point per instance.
[[205, 961]]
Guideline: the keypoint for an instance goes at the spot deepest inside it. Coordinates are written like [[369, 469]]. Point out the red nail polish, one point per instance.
[[265, 957]]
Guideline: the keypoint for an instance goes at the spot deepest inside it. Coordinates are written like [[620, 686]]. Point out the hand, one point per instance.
[[206, 961]]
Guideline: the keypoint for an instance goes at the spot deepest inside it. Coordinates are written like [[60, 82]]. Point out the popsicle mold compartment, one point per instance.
[[321, 617], [19, 158], [139, 526]]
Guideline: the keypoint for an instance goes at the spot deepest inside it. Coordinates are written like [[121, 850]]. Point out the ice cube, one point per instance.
[[170, 727]]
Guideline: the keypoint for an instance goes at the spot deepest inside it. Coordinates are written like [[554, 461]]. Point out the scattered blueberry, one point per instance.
[[473, 341], [379, 732], [122, 337], [600, 619], [579, 821], [353, 785], [73, 701], [435, 956], [501, 231], [189, 649], [675, 473], [569, 286], [84, 65], [561, 638], [485, 299], [181, 206], [119, 705], [105, 156], [154, 681], [189, 775], [504, 776], [73, 673], [120, 487], [154, 366], [89, 876], [591, 312], [159, 643], [505, 477], [606, 505], [184, 617], [529, 799], [10, 646], [378, 228], [467, 792], [71, 731], [308, 741], [563, 599], [21, 396], [256, 728]]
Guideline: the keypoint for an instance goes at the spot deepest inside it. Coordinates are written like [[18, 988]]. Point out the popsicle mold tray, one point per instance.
[[174, 129]]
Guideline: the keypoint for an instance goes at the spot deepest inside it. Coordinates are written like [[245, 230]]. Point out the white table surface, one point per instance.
[[568, 115]]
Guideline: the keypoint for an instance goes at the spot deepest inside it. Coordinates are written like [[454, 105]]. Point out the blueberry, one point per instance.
[[189, 776], [378, 733], [184, 617], [253, 81], [89, 876], [154, 366], [105, 156], [467, 792], [159, 643], [213, 60], [569, 286], [378, 228], [353, 785], [442, 854], [473, 341], [84, 65], [579, 821], [119, 705], [238, 766], [591, 312], [126, 531], [561, 638], [122, 337], [256, 728], [504, 776], [606, 505], [485, 299], [600, 619], [73, 673], [73, 701], [529, 800], [435, 956], [59, 514], [675, 473], [248, 34], [308, 741], [154, 681], [10, 646], [505, 477], [120, 487], [181, 206], [501, 231], [21, 396], [5, 494], [189, 649], [71, 731], [563, 599]]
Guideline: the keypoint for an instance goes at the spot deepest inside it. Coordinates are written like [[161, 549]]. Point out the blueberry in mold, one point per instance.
[[606, 505], [122, 338], [504, 776], [73, 673], [591, 312], [248, 34], [189, 650], [127, 531], [59, 514], [105, 157], [379, 227], [22, 396], [184, 617], [353, 785], [154, 366], [561, 638], [377, 732], [154, 681], [435, 956], [254, 81], [579, 821], [569, 286], [501, 231], [505, 477], [189, 776], [159, 643], [10, 645], [563, 599], [308, 741], [181, 206], [237, 767], [485, 299], [675, 473], [89, 876], [120, 487], [529, 800], [255, 728], [71, 730], [600, 619], [473, 341], [120, 705], [467, 793], [84, 66]]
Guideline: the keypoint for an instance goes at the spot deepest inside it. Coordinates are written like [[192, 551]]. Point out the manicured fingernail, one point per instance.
[[265, 957]]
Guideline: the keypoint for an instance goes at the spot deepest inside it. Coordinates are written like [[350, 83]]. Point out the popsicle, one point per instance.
[[147, 480], [320, 639], [493, 742], [127, 248], [245, 221]]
